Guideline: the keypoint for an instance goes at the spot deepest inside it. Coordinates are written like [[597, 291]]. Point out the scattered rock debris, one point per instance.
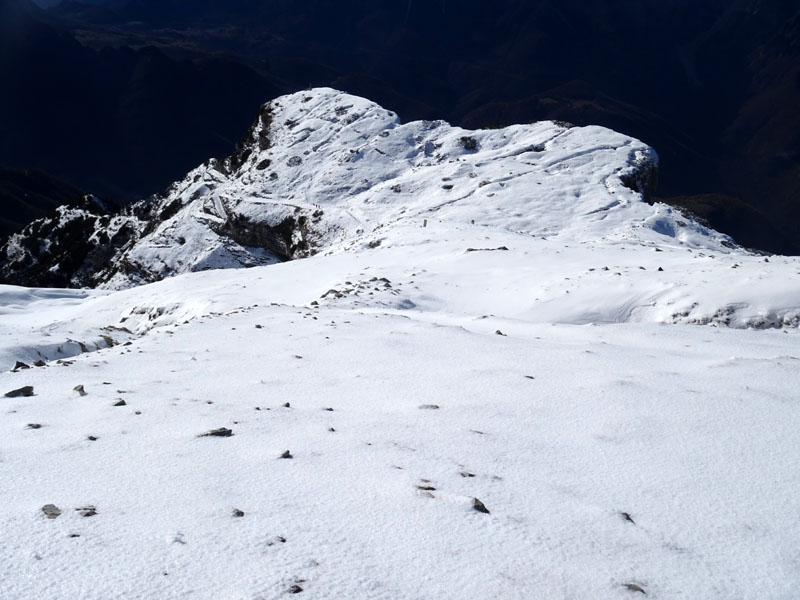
[[429, 407], [80, 390], [498, 249], [287, 454], [627, 517], [34, 426], [51, 511], [221, 432], [87, 511], [479, 506], [295, 589], [19, 366], [120, 402], [25, 392], [238, 513], [39, 363], [92, 438], [632, 587]]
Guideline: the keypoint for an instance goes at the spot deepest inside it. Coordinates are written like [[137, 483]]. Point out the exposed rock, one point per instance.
[[238, 513], [34, 426], [80, 390], [479, 506], [429, 407], [87, 511], [51, 511], [19, 366], [295, 589], [632, 587], [287, 454], [221, 432], [25, 391], [120, 402], [39, 363]]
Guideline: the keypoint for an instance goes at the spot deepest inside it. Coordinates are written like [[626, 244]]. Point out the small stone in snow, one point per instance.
[[87, 511], [34, 426], [80, 390], [92, 438], [479, 506], [221, 432], [331, 429], [329, 409], [20, 365], [287, 405], [287, 454], [428, 406], [39, 363], [120, 402], [51, 511], [498, 332], [238, 513], [295, 589], [20, 392], [632, 587], [627, 517]]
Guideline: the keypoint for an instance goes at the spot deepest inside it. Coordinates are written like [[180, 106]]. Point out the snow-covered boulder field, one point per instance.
[[491, 370]]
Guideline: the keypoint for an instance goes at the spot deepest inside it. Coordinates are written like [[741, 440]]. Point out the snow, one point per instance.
[[568, 395]]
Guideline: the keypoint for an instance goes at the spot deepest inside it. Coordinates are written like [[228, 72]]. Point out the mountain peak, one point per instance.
[[322, 170]]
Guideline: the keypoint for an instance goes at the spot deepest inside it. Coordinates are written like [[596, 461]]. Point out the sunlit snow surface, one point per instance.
[[630, 430]]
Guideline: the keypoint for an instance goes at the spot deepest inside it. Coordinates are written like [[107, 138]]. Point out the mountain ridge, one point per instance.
[[242, 211]]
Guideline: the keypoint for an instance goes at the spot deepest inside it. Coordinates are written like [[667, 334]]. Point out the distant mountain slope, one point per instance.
[[26, 195], [118, 122]]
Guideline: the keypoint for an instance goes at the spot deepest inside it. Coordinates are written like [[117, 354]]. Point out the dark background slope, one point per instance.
[[157, 86]]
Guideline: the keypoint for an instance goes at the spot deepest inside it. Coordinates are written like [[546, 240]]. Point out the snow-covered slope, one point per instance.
[[486, 377], [614, 460]]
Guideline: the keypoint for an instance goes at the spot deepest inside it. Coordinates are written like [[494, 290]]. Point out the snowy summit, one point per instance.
[[460, 364]]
